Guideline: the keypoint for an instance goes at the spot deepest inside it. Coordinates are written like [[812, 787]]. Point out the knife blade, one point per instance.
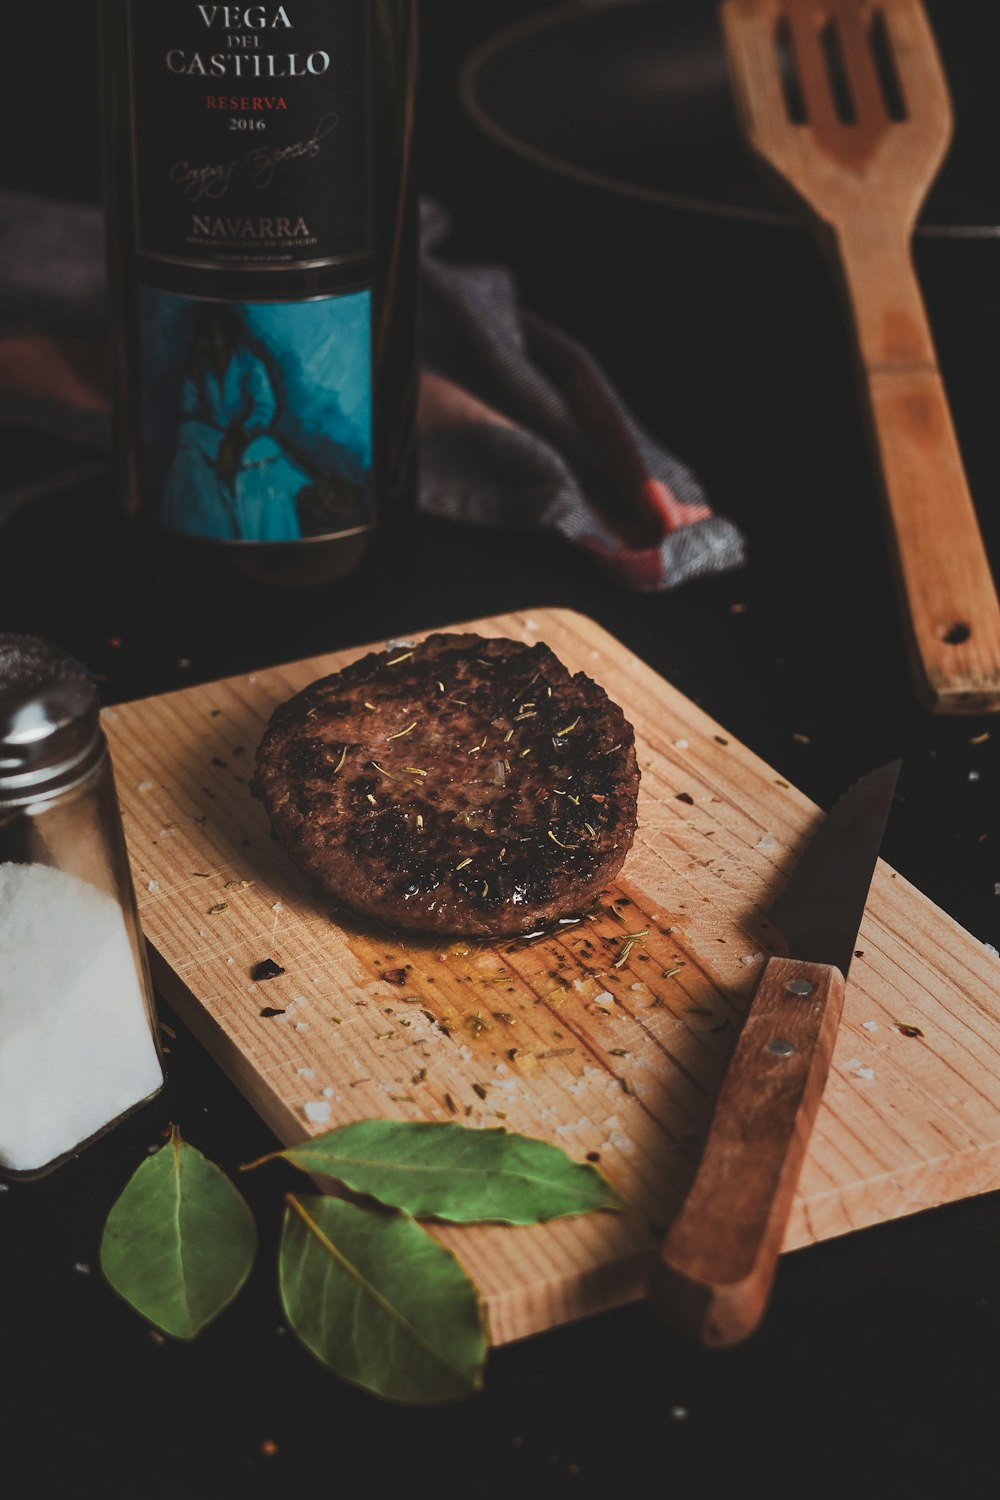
[[713, 1276]]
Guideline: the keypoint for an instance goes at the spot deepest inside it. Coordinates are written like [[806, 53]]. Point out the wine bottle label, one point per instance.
[[257, 416], [251, 132]]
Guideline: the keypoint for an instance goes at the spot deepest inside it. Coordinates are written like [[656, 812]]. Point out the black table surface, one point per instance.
[[876, 1369]]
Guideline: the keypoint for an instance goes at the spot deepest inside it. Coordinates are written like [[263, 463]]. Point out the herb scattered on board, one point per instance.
[[266, 969], [180, 1241]]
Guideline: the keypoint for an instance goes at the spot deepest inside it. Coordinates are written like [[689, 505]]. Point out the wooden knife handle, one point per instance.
[[951, 614], [716, 1266]]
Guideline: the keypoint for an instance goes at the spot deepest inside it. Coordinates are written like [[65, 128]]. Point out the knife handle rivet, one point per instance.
[[799, 987], [780, 1048]]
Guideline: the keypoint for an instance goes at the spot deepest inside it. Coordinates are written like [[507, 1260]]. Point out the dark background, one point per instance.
[[876, 1370]]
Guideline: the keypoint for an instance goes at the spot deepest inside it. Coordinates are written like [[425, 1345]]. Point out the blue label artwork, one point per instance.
[[258, 415]]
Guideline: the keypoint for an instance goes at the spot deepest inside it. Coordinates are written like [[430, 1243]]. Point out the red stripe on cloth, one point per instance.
[[68, 372], [444, 404], [662, 501], [650, 508], [638, 568]]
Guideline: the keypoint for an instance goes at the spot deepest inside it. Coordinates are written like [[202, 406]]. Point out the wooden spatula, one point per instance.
[[847, 102]]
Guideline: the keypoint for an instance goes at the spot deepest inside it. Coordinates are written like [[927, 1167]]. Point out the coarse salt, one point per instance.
[[316, 1111], [768, 841], [76, 1049]]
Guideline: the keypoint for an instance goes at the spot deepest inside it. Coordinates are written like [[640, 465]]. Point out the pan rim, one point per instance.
[[471, 68]]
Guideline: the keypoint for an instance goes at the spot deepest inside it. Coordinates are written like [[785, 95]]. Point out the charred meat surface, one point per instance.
[[468, 785]]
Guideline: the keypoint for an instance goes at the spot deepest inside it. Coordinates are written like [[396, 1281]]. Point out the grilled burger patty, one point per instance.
[[468, 785]]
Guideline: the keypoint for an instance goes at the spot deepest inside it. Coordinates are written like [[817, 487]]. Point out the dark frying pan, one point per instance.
[[630, 103]]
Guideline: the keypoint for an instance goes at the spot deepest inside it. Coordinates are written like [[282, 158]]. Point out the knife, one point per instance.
[[716, 1266]]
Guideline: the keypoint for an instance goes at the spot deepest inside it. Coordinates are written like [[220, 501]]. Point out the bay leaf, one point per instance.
[[180, 1241], [458, 1175], [379, 1302]]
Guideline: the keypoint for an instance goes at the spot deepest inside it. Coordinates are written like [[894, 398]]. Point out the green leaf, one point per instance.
[[455, 1174], [180, 1241], [379, 1302]]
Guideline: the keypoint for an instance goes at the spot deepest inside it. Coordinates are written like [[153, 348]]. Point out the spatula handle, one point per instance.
[[715, 1270], [950, 608]]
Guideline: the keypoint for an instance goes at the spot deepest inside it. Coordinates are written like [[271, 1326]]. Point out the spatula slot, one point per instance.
[[836, 72], [795, 104], [885, 67]]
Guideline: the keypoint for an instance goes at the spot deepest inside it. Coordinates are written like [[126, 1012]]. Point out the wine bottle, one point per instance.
[[261, 227]]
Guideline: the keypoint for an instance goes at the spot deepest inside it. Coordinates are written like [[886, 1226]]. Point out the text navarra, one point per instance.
[[249, 229]]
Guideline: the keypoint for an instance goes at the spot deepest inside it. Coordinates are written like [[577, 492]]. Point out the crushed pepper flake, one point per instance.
[[266, 969]]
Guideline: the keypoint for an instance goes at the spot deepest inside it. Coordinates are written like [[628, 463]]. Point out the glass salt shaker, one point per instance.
[[79, 1039]]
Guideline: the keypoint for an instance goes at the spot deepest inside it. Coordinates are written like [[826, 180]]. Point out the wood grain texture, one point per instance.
[[619, 1056], [713, 1276], [859, 171]]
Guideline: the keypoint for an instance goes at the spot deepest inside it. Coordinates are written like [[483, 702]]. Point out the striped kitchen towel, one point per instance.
[[519, 425]]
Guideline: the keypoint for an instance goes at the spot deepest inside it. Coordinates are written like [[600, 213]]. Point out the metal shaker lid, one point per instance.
[[50, 731]]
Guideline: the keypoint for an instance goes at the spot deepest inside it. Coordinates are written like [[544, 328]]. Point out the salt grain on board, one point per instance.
[[75, 1045], [316, 1111]]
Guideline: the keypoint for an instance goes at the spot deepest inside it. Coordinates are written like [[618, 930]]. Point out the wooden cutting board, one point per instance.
[[613, 1050]]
